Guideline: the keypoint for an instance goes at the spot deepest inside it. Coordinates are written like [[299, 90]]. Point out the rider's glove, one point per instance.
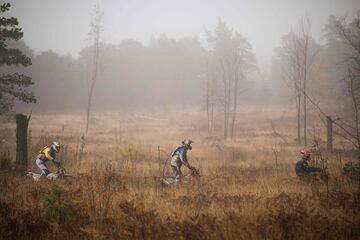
[[57, 162], [193, 169]]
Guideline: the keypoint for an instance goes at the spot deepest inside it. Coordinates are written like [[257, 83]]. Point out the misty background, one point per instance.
[[157, 53]]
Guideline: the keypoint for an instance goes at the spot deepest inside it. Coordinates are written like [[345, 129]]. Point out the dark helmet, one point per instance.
[[187, 143]]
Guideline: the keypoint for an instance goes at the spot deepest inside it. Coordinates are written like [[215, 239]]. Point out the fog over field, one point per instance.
[[262, 22], [158, 52]]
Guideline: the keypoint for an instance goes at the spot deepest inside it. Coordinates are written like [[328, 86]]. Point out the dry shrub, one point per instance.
[[5, 160], [294, 216], [101, 185], [21, 224]]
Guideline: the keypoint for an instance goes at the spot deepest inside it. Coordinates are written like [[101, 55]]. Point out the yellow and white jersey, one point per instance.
[[48, 154]]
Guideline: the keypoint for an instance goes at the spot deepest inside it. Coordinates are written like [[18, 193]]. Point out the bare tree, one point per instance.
[[354, 93], [221, 43], [95, 29], [243, 62], [210, 97], [226, 96], [289, 53], [304, 40], [297, 59], [348, 35], [236, 91], [232, 58]]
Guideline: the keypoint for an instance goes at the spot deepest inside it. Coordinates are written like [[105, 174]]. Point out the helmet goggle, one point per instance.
[[55, 146]]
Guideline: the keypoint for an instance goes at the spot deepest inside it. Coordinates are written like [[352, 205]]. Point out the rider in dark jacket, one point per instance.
[[179, 157], [302, 168]]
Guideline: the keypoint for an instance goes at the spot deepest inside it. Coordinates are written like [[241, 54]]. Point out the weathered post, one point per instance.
[[159, 159], [22, 123], [329, 127], [29, 141]]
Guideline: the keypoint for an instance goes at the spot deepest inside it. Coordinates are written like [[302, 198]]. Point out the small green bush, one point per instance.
[[352, 170], [58, 208]]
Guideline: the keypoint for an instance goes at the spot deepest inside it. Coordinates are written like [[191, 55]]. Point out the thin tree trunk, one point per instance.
[[212, 116], [305, 38], [236, 86], [298, 119], [212, 100], [228, 100], [96, 32], [208, 99], [225, 100], [90, 96], [298, 108], [304, 83]]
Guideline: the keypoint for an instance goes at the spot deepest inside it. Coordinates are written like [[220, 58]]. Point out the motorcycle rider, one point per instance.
[[302, 168], [48, 153], [179, 157]]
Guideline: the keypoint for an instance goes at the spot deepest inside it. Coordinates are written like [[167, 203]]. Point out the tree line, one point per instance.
[[169, 72]]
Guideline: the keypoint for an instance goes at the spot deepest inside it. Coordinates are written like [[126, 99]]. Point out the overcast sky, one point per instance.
[[62, 25]]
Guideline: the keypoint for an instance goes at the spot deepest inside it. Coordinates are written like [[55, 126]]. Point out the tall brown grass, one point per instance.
[[251, 191]]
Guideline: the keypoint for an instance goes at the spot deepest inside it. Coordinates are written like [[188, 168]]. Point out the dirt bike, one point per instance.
[[191, 178], [58, 175], [315, 175]]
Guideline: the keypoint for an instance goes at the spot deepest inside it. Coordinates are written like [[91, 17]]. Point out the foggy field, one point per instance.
[[249, 192]]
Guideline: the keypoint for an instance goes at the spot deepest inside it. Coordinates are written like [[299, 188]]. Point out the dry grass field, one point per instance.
[[250, 192]]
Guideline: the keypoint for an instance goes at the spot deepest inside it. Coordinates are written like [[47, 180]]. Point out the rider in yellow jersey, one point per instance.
[[48, 153]]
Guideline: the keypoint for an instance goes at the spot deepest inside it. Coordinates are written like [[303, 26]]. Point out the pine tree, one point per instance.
[[12, 85]]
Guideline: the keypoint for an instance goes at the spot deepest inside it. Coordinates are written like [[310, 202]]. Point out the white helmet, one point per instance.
[[55, 146], [187, 143]]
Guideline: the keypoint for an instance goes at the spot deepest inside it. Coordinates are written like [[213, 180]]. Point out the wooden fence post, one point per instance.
[[329, 133], [22, 123]]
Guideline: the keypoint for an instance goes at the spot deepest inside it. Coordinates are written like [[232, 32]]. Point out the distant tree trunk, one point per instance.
[[295, 56], [298, 113], [212, 116], [95, 32], [305, 33], [210, 104], [212, 101], [226, 102], [304, 105], [208, 96], [305, 138], [236, 90], [94, 76], [22, 123]]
